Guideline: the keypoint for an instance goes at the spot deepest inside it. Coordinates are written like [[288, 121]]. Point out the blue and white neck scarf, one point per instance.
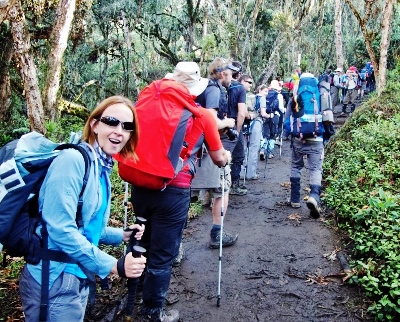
[[105, 160]]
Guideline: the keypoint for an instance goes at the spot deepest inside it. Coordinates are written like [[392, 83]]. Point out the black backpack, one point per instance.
[[223, 101], [272, 102], [257, 104], [19, 209]]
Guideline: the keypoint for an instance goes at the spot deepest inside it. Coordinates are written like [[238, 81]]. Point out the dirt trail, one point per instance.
[[280, 268]]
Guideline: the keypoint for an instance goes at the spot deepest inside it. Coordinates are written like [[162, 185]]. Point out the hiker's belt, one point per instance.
[[182, 180]]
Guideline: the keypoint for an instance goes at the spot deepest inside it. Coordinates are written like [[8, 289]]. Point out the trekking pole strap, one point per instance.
[[44, 293]]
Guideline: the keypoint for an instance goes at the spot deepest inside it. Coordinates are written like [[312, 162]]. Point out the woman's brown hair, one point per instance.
[[89, 136], [260, 88]]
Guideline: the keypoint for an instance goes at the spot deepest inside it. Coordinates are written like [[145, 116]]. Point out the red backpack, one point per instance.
[[165, 111]]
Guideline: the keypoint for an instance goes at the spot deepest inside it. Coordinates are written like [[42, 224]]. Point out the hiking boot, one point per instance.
[[237, 190], [227, 239], [295, 204], [312, 204], [256, 177], [289, 204], [162, 316], [262, 156]]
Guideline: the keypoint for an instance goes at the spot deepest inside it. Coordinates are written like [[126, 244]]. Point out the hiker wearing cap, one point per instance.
[[166, 210], [336, 86], [214, 98], [237, 109], [351, 91]]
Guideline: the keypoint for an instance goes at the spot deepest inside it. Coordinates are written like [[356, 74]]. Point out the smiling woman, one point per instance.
[[111, 128]]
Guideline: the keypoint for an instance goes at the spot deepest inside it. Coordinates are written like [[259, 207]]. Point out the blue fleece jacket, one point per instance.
[[58, 201]]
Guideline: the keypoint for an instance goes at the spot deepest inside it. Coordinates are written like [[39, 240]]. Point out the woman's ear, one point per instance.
[[93, 125]]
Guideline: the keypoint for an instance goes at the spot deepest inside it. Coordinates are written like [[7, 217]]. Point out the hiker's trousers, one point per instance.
[[67, 298], [238, 155], [350, 98], [314, 150], [334, 96], [254, 147], [166, 214]]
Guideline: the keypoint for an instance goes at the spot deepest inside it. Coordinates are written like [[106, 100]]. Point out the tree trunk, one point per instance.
[[130, 57], [5, 89], [338, 34], [385, 27], [58, 44], [204, 33], [253, 19], [384, 46], [5, 6], [27, 67], [320, 42]]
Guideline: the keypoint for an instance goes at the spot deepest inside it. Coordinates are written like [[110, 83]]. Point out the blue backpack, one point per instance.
[[272, 102], [363, 74], [306, 119], [23, 167]]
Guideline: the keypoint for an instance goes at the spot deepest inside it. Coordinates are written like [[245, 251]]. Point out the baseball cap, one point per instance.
[[232, 67]]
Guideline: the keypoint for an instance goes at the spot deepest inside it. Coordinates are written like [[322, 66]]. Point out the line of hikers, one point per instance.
[[186, 135]]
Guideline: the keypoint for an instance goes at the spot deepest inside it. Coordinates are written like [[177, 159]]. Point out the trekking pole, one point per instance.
[[266, 160], [135, 249], [132, 283], [123, 280], [281, 136], [247, 158], [267, 149], [220, 238]]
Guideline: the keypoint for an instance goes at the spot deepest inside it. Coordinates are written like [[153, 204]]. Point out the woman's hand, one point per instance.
[[134, 266], [130, 266]]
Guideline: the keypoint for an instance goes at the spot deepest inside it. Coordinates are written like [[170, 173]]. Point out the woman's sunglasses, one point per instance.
[[114, 122]]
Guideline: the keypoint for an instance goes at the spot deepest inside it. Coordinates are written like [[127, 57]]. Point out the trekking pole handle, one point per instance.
[[133, 241], [139, 221], [137, 251]]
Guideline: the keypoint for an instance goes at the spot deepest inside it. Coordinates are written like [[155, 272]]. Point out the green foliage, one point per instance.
[[376, 233], [60, 131], [118, 201], [362, 178]]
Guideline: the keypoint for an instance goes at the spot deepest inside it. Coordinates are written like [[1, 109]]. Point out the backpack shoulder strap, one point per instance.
[[86, 159]]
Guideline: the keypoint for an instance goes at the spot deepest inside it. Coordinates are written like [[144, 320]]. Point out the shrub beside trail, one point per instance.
[[362, 186]]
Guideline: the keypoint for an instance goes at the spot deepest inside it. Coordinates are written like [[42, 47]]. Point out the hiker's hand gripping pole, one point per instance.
[[132, 283]]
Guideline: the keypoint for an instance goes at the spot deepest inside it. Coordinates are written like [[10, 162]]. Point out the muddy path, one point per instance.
[[283, 267]]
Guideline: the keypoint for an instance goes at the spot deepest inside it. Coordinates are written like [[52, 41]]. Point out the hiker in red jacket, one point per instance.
[[166, 210]]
